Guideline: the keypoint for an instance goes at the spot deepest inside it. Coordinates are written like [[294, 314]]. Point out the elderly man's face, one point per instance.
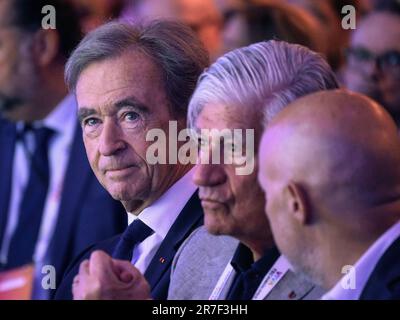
[[119, 100], [233, 204], [378, 35]]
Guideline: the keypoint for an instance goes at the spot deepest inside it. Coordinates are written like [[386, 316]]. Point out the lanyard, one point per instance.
[[274, 275], [223, 279]]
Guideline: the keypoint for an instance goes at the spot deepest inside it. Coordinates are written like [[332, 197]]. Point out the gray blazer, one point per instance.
[[203, 257]]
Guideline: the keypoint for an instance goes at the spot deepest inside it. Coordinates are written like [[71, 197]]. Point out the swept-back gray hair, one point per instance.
[[172, 46], [265, 77]]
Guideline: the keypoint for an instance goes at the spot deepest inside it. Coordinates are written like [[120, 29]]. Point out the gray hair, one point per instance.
[[265, 76], [170, 44]]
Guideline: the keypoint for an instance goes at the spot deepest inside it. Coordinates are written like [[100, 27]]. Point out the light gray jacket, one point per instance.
[[201, 260]]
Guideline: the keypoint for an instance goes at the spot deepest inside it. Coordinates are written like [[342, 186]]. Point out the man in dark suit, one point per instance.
[[330, 165], [131, 84], [51, 205]]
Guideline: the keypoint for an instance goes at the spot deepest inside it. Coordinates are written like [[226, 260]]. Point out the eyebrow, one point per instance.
[[85, 112], [130, 102]]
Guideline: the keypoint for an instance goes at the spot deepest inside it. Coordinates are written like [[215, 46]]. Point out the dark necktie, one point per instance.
[[31, 208], [136, 232]]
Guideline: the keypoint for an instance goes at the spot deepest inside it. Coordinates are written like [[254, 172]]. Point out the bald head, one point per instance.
[[337, 143], [330, 168]]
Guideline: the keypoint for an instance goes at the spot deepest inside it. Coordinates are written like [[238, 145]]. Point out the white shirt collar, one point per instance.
[[363, 267], [161, 215]]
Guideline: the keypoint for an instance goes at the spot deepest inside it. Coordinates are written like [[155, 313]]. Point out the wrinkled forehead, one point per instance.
[[128, 75]]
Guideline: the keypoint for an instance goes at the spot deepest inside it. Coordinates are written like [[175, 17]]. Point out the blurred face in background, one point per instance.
[[155, 9], [205, 20], [18, 74], [235, 33], [373, 65], [235, 28], [96, 12]]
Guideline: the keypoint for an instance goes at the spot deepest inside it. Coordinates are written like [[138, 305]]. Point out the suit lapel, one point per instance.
[[74, 186], [190, 218], [225, 289], [7, 147], [288, 288]]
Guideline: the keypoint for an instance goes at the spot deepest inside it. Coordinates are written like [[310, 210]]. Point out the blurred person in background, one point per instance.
[[202, 16], [51, 205], [375, 4], [262, 20], [205, 20], [373, 58], [94, 13], [330, 17], [140, 10]]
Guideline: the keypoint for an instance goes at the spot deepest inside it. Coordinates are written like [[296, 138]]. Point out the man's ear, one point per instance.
[[46, 46], [297, 204]]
